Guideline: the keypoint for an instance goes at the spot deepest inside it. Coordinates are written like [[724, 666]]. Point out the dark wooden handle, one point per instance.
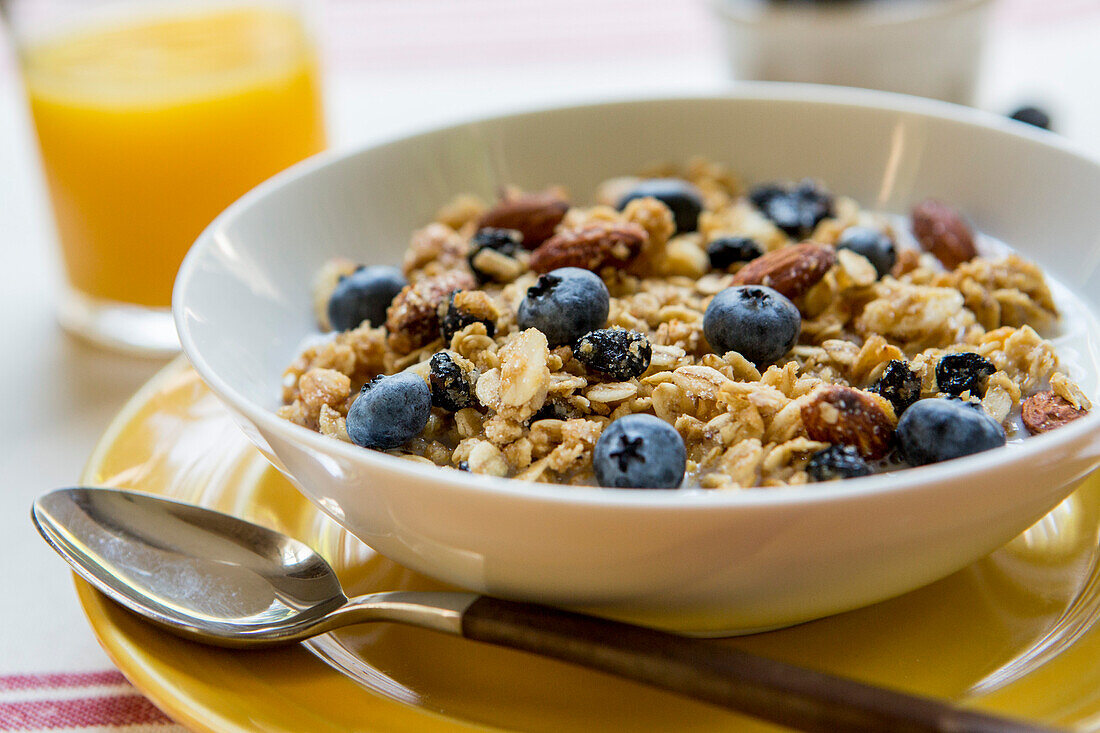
[[765, 688]]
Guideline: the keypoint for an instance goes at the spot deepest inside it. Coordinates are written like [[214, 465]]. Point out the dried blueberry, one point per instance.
[[727, 251], [878, 248], [614, 352], [899, 384], [556, 409], [489, 244], [452, 388], [962, 372], [453, 317], [796, 210], [837, 461], [682, 198], [505, 241]]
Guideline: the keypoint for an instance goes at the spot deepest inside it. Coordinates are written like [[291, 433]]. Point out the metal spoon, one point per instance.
[[219, 580]]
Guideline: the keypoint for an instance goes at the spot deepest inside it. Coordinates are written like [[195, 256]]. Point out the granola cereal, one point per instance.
[[512, 404]]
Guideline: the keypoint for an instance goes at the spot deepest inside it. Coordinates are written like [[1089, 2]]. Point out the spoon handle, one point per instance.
[[765, 688]]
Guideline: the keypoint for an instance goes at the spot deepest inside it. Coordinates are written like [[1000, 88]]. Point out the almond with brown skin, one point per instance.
[[942, 231], [604, 244], [412, 319], [847, 416], [532, 214], [790, 270], [1046, 411]]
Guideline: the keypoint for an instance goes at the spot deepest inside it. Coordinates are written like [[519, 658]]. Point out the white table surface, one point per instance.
[[392, 65]]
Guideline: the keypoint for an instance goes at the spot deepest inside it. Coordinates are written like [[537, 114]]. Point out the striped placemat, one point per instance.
[[70, 701]]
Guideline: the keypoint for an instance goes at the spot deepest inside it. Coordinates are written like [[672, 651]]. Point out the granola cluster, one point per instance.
[[535, 411]]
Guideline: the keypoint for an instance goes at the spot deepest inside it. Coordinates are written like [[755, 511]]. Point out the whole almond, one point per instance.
[[790, 270], [412, 319], [534, 215], [1046, 411], [846, 416], [590, 247], [942, 231]]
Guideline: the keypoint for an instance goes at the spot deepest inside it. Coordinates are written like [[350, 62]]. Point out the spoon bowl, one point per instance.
[[174, 562], [207, 575]]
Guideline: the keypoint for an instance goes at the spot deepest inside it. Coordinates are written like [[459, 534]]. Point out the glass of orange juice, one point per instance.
[[151, 118]]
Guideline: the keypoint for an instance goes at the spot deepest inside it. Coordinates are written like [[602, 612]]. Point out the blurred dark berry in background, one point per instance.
[[1032, 116]]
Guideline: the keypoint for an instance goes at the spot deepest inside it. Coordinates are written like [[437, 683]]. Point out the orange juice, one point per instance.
[[151, 127]]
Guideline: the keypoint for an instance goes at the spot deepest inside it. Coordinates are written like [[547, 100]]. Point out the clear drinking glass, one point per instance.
[[151, 118]]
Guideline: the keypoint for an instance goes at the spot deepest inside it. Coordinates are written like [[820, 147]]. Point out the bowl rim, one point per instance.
[[891, 482]]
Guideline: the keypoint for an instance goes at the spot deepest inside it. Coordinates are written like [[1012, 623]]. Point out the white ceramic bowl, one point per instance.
[[701, 562]]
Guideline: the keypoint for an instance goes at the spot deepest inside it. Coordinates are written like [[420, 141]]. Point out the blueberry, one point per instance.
[[614, 352], [565, 304], [935, 430], [681, 197], [796, 210], [1032, 116], [837, 461], [727, 251], [453, 318], [364, 295], [872, 244], [452, 386], [755, 321], [958, 373], [389, 411], [505, 242], [640, 452], [899, 384]]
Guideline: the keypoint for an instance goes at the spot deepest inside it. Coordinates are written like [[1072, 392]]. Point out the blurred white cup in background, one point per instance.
[[930, 48]]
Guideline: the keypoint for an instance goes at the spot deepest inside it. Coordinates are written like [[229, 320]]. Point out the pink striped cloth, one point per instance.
[[71, 701]]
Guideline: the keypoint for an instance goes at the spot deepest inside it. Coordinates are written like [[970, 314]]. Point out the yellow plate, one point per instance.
[[1015, 633]]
